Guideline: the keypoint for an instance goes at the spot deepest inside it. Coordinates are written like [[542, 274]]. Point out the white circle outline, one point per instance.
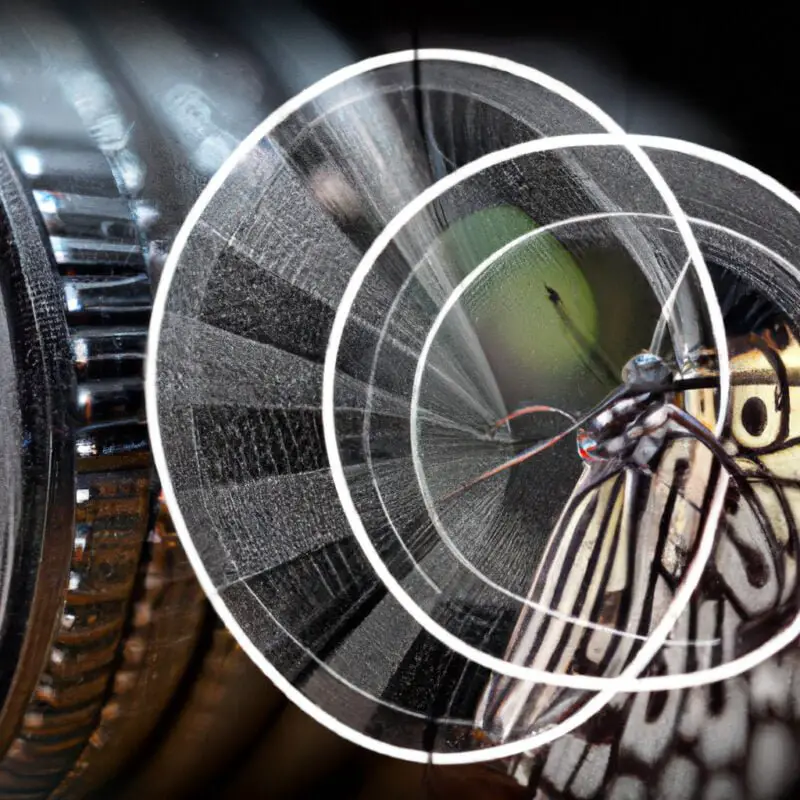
[[414, 405], [151, 400], [647, 683], [157, 318], [792, 631], [692, 576]]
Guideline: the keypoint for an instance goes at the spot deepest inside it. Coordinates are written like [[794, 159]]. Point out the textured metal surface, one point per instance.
[[36, 574], [225, 706], [166, 613], [129, 612], [118, 660], [111, 490], [66, 706], [129, 623]]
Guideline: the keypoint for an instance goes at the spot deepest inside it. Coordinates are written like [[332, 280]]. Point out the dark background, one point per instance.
[[731, 71]]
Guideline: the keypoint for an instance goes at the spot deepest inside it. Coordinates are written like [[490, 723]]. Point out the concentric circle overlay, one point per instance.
[[672, 157], [659, 633], [234, 388], [530, 254], [763, 262]]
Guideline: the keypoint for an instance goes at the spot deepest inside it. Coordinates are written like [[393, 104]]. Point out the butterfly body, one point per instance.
[[714, 736], [632, 428]]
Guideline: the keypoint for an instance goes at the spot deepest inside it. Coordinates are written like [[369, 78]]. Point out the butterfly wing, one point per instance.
[[597, 579], [736, 738]]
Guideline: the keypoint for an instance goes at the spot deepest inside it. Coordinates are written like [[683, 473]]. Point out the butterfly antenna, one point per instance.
[[539, 446], [543, 444], [690, 384], [525, 410]]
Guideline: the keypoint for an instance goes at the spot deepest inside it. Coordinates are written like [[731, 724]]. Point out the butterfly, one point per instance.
[[617, 556]]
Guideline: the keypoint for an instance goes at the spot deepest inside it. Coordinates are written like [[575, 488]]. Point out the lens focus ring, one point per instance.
[[96, 666]]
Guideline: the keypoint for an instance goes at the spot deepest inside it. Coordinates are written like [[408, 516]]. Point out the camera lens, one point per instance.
[[36, 442]]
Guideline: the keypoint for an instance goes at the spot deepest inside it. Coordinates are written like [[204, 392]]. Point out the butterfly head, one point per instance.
[[646, 370]]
